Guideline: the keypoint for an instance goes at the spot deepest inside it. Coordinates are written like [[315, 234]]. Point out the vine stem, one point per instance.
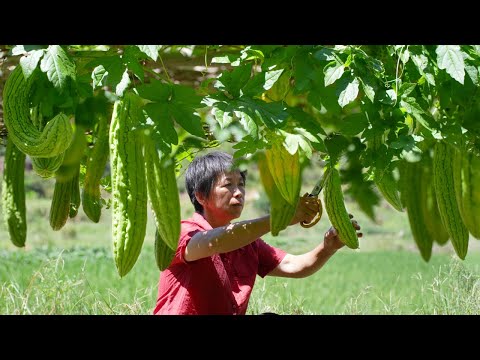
[[397, 71], [154, 73], [165, 70]]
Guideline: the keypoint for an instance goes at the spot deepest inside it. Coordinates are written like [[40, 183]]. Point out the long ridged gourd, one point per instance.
[[66, 197], [95, 167], [285, 170], [61, 201], [163, 193], [386, 184], [443, 180], [163, 253], [431, 216], [55, 137], [414, 199], [281, 211], [466, 171], [13, 194], [129, 188], [336, 210]]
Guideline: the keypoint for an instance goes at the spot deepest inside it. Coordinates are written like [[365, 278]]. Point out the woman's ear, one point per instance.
[[200, 198]]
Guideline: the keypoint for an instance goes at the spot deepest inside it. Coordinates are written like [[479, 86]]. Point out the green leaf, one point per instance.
[[30, 61], [155, 91], [159, 114], [248, 123], [186, 96], [450, 58], [184, 115], [291, 143], [294, 141], [333, 71], [223, 117], [353, 124], [131, 58], [234, 80], [150, 50], [405, 56], [22, 49], [271, 78], [99, 75], [304, 72], [411, 106], [472, 72], [58, 67], [348, 92], [368, 88], [247, 146], [109, 71], [420, 62], [312, 140], [273, 114], [226, 59], [406, 89], [325, 54], [408, 145], [306, 121], [388, 97], [176, 102], [336, 144]]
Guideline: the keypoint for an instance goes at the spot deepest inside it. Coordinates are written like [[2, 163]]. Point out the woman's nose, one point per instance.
[[237, 192]]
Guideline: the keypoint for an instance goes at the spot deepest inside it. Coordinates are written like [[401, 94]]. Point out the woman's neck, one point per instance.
[[214, 220]]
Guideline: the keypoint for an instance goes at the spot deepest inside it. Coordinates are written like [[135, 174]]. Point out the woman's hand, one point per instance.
[[307, 208], [331, 239]]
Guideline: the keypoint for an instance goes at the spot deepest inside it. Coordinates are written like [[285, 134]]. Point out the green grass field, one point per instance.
[[71, 271]]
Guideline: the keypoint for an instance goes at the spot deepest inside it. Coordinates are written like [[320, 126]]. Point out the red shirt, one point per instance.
[[220, 284]]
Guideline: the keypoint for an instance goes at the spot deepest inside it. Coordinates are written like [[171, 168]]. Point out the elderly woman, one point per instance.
[[217, 260]]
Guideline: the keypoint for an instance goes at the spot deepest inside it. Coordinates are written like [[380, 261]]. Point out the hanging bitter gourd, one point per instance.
[[281, 211], [129, 188], [385, 181], [443, 181], [466, 170], [336, 210], [55, 137], [13, 194], [285, 170], [95, 167], [163, 253], [61, 201], [428, 201], [414, 200], [163, 193]]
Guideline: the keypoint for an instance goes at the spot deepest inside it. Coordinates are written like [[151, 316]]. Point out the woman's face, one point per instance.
[[227, 197]]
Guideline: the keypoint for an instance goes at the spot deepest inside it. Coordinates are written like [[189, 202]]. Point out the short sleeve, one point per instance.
[[268, 257], [186, 234]]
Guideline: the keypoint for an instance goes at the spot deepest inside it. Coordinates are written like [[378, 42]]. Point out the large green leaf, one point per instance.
[[150, 50], [333, 71], [30, 61], [110, 71], [347, 91], [173, 102], [58, 66], [450, 58]]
